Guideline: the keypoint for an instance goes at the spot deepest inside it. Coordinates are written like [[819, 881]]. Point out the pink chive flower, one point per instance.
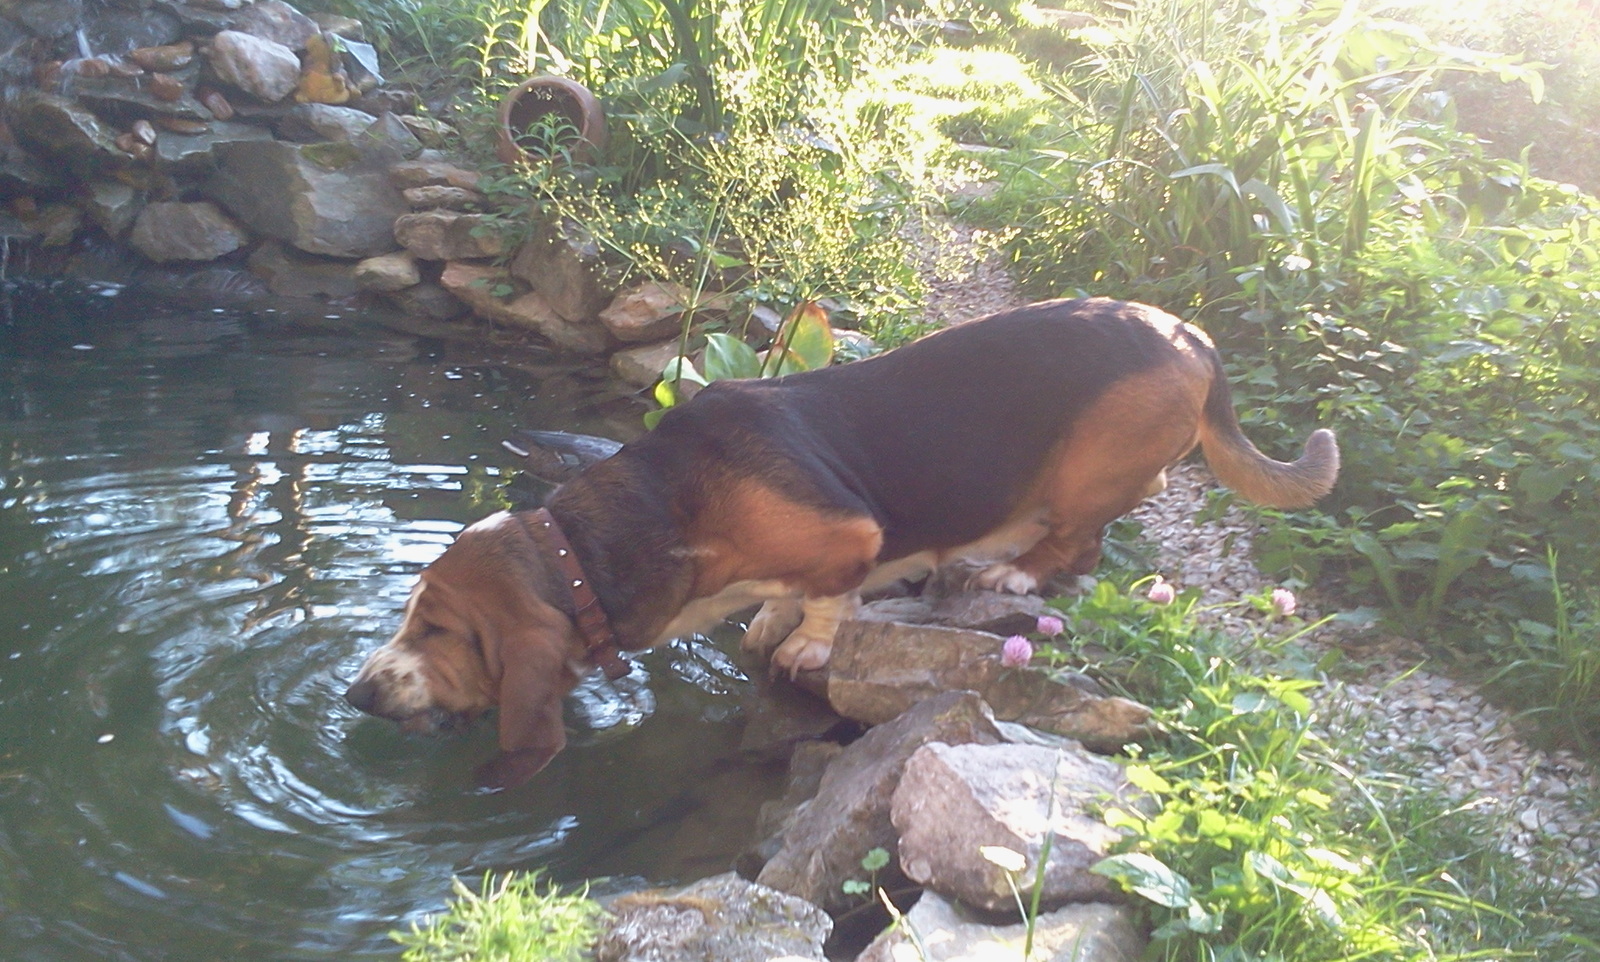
[[1016, 652], [1283, 602], [1162, 593], [1050, 626]]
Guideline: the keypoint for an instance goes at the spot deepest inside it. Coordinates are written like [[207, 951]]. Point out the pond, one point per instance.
[[209, 516]]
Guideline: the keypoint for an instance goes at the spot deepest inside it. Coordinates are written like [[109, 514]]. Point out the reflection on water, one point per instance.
[[207, 519]]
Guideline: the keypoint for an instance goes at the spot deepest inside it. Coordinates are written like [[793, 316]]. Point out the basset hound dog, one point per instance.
[[1009, 441]]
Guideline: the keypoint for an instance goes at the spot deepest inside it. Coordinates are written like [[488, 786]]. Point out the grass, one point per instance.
[[1270, 838], [515, 919]]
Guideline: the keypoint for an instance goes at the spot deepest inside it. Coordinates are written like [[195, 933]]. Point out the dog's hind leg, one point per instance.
[[1116, 458]]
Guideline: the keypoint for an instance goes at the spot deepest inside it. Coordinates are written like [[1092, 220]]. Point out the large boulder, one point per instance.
[[449, 235], [276, 189], [719, 919], [494, 296], [277, 21], [264, 69], [825, 839], [388, 273], [64, 131], [879, 669], [195, 155], [112, 205], [955, 800], [649, 311], [174, 231], [1077, 933], [567, 271]]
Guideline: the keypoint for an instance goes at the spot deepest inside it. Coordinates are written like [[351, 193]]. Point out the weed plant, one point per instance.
[[1263, 839], [514, 919]]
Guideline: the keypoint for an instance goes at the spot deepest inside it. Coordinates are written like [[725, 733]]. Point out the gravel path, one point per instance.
[[1438, 732]]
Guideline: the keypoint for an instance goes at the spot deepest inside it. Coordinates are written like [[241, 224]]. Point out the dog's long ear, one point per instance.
[[557, 456], [534, 681]]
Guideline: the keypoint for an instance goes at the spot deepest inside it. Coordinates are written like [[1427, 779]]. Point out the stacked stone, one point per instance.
[[230, 129]]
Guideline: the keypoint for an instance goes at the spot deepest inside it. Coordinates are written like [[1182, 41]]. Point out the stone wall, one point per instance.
[[247, 133]]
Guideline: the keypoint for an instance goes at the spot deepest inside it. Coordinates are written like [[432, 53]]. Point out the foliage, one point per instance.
[[513, 919], [1257, 839], [804, 342]]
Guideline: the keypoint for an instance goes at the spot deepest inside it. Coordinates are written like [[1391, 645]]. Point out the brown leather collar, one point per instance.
[[591, 619]]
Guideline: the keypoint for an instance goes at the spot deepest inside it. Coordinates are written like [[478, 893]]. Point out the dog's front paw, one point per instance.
[[1008, 578], [801, 652], [776, 620]]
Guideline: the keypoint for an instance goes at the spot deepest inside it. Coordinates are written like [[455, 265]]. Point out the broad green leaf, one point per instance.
[[729, 357], [804, 342], [1148, 876], [1143, 776]]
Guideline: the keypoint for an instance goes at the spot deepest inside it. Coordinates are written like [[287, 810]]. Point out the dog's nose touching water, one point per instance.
[[1009, 442]]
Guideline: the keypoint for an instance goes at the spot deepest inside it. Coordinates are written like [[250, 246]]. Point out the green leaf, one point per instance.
[[1147, 876], [729, 357], [875, 859], [804, 342], [1143, 776]]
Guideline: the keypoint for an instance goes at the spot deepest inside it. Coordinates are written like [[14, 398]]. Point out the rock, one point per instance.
[[992, 611], [174, 231], [49, 19], [825, 839], [779, 718], [450, 198], [953, 800], [123, 100], [493, 295], [432, 173], [167, 57], [340, 25], [448, 235], [277, 21], [387, 100], [569, 273], [388, 272], [1077, 933], [278, 192], [22, 173], [111, 31], [58, 224], [641, 365], [264, 69], [194, 155], [427, 300], [387, 140], [431, 133], [111, 205], [292, 273], [647, 312], [878, 669], [360, 63], [310, 123], [64, 131], [719, 919]]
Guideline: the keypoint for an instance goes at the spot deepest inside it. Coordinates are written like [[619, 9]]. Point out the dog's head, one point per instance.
[[478, 633]]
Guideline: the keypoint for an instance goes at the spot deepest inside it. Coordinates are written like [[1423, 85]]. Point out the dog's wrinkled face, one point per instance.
[[476, 634], [431, 676]]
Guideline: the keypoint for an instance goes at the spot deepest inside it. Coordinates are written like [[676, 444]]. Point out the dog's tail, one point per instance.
[[1238, 464]]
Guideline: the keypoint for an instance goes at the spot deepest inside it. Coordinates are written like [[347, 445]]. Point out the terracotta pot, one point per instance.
[[544, 102]]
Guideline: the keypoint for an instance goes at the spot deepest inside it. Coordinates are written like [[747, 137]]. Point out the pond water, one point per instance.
[[208, 517]]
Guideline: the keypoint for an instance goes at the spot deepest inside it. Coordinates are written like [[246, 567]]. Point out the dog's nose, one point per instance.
[[363, 695]]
